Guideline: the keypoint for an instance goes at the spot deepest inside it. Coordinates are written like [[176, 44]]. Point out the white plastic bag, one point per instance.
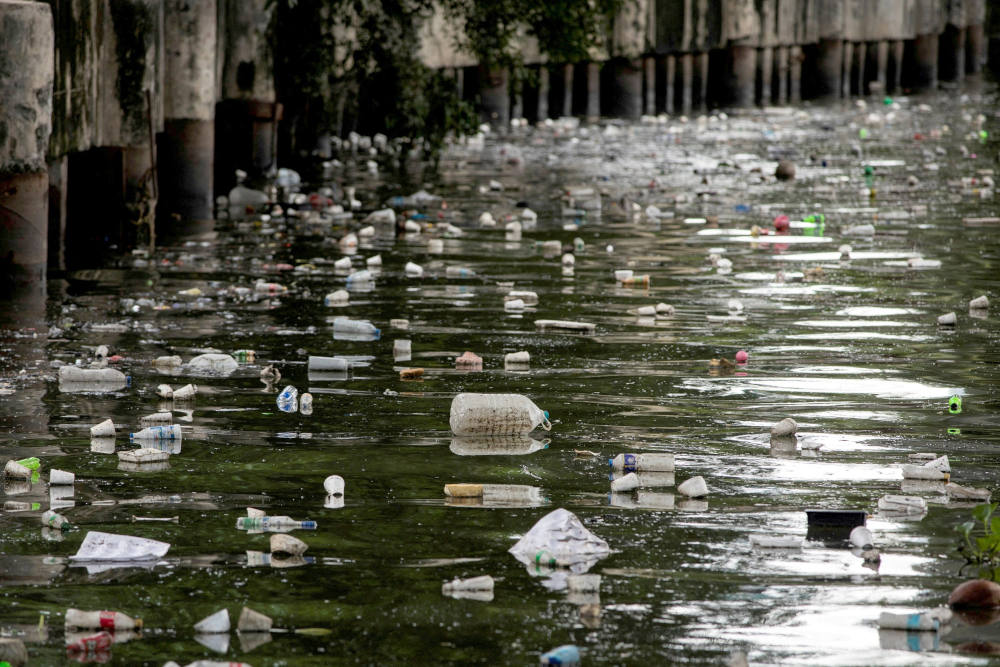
[[562, 537], [111, 547]]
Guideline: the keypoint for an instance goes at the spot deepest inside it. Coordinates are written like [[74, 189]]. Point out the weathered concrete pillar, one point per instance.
[[670, 74], [248, 115], [567, 105], [925, 61], [845, 76], [594, 90], [952, 47], [460, 82], [649, 69], [860, 61], [974, 49], [766, 74], [882, 58], [687, 81], [897, 60], [795, 58], [783, 75], [494, 95], [517, 104], [828, 66], [626, 92], [743, 61], [542, 110], [27, 70], [702, 62], [187, 146]]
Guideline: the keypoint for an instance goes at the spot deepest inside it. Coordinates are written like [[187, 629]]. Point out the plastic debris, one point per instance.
[[560, 538], [99, 546], [496, 414]]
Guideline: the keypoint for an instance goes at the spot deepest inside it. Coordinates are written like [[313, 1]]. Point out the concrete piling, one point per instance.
[[687, 81], [847, 50], [27, 70], [743, 60], [783, 74], [567, 105], [795, 58], [882, 60], [861, 65], [829, 61], [494, 95], [649, 73], [670, 74], [925, 61], [594, 90], [897, 59], [766, 59], [187, 146], [542, 110], [974, 49], [626, 91]]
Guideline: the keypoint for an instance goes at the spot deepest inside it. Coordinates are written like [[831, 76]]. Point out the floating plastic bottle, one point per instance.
[[106, 620], [328, 364], [52, 519], [94, 375], [338, 298], [347, 326], [172, 432], [288, 399], [273, 523], [306, 404], [496, 414], [642, 463]]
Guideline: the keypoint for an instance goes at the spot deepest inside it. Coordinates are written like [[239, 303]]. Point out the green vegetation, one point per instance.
[[981, 546], [343, 65]]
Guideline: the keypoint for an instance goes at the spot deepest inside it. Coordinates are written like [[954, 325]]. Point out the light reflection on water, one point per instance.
[[682, 583]]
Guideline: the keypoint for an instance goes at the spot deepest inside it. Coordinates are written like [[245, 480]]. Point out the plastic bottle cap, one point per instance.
[[611, 463], [546, 413]]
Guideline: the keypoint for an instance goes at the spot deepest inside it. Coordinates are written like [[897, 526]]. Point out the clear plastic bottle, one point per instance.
[[288, 399], [273, 523], [172, 432], [53, 519], [306, 404], [561, 655], [496, 414], [643, 463], [345, 325], [459, 272]]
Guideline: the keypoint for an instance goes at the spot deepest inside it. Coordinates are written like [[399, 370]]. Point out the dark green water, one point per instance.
[[855, 356]]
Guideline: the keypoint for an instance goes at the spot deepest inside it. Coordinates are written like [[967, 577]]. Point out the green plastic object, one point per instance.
[[983, 136], [887, 101], [955, 404], [863, 133], [954, 431], [819, 220], [31, 463]]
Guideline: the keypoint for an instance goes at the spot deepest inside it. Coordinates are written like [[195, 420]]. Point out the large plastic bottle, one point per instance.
[[643, 463], [345, 325], [53, 519], [172, 432], [107, 620], [496, 414]]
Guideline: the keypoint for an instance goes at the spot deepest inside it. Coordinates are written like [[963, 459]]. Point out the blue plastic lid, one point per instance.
[[611, 463], [546, 413]]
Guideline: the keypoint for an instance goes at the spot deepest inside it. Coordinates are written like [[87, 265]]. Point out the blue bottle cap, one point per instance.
[[546, 413], [611, 463]]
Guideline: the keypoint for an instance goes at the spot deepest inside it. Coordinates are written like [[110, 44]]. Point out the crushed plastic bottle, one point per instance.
[[344, 326], [106, 620], [288, 399], [496, 414], [273, 523]]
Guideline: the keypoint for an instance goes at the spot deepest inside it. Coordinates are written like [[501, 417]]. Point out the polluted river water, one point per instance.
[[845, 342]]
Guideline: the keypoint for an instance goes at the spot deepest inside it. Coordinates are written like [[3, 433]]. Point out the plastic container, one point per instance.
[[902, 504], [929, 621], [520, 359], [187, 392], [334, 485], [172, 432], [15, 470], [566, 325], [267, 523], [106, 620], [481, 583], [306, 404], [862, 537], [642, 463], [143, 456], [413, 270], [52, 519], [496, 414], [785, 427], [513, 305], [286, 544], [776, 541], [253, 621], [338, 298], [214, 623], [222, 364]]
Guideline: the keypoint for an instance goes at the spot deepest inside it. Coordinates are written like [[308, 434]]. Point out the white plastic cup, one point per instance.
[[862, 537], [622, 275], [106, 429], [625, 483], [694, 487], [214, 623], [61, 477], [334, 485]]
